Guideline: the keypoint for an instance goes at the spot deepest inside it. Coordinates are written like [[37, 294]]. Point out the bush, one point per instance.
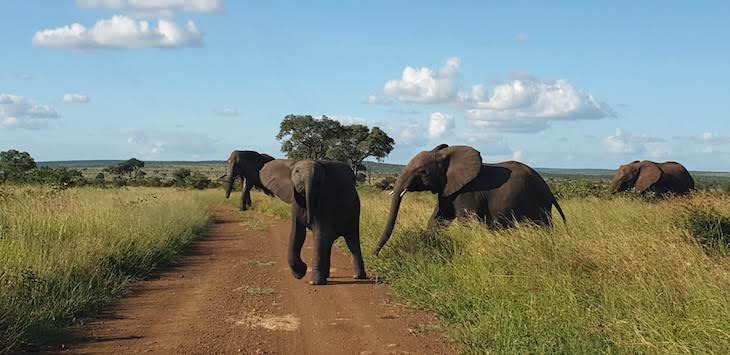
[[385, 183], [710, 228]]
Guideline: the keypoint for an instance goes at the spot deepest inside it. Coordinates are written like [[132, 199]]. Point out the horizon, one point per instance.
[[193, 80]]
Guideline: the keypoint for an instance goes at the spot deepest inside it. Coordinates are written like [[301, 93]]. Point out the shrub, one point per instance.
[[710, 228]]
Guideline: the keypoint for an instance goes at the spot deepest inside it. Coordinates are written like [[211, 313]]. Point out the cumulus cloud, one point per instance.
[[423, 85], [120, 32], [531, 102], [623, 142], [20, 112], [154, 7], [439, 125], [75, 98], [155, 143], [228, 112], [710, 138]]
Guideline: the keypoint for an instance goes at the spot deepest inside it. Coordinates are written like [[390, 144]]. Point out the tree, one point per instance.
[[304, 137], [14, 164], [127, 167], [357, 143]]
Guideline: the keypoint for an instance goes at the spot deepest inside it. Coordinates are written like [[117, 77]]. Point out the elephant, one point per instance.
[[648, 176], [323, 199], [246, 164], [497, 194]]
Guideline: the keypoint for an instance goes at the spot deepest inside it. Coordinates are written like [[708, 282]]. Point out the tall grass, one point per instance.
[[625, 276], [64, 254]]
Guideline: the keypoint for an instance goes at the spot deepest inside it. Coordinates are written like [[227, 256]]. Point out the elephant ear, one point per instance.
[[649, 174], [462, 166], [439, 147], [266, 158], [276, 177]]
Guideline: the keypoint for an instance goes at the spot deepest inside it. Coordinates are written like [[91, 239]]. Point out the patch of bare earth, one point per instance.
[[234, 294]]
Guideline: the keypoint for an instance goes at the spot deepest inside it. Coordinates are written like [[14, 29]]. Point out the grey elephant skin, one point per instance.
[[647, 176], [497, 194], [323, 199], [246, 164]]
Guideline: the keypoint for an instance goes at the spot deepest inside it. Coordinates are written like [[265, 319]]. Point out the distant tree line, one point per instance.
[[20, 168], [306, 137]]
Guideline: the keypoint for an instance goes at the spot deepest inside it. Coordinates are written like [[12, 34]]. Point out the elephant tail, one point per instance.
[[560, 210]]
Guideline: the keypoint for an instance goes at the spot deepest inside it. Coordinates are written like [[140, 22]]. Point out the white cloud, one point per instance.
[[348, 120], [19, 112], [439, 125], [25, 76], [623, 142], [521, 37], [531, 102], [75, 98], [424, 85], [156, 143], [120, 32], [518, 154], [154, 7], [228, 112]]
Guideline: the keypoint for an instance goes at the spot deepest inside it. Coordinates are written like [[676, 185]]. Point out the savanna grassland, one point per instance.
[[626, 275], [66, 253]]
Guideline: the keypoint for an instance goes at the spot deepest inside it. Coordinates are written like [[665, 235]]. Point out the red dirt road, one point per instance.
[[235, 294]]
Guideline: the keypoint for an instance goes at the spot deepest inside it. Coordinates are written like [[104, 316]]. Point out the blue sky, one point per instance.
[[567, 84]]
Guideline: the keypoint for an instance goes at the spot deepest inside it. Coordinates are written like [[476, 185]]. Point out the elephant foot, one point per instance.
[[299, 270], [318, 278], [243, 209], [360, 276]]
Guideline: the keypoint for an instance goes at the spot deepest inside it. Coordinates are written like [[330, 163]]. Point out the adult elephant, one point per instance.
[[246, 164], [648, 176], [323, 199], [498, 194]]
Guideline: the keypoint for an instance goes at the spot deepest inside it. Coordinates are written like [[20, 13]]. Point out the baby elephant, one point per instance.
[[323, 198]]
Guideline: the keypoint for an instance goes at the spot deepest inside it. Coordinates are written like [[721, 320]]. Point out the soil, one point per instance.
[[234, 294]]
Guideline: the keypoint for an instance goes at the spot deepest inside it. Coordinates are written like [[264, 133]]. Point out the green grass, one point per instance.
[[626, 276], [65, 254]]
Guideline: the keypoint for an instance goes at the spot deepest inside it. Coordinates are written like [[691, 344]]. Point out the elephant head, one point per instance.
[[243, 163], [287, 178], [444, 171], [641, 175]]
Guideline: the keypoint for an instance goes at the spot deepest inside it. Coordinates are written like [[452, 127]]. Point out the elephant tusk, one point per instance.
[[391, 192], [404, 192]]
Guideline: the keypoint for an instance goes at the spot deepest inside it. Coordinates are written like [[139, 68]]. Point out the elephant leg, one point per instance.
[[246, 196], [353, 243], [438, 220], [322, 252], [296, 241]]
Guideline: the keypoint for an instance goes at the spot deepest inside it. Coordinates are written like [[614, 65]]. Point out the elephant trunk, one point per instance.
[[231, 178], [311, 183], [398, 191]]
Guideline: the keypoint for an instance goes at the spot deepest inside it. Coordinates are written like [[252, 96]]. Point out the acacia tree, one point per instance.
[[358, 142], [304, 137]]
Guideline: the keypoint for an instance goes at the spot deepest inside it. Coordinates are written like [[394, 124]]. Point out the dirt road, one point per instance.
[[235, 294]]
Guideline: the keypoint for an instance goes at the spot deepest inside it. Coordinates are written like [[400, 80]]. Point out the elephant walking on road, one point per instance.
[[246, 164], [323, 199], [648, 176], [498, 194]]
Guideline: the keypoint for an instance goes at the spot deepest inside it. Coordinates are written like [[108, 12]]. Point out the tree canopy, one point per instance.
[[14, 164], [126, 167], [306, 137]]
